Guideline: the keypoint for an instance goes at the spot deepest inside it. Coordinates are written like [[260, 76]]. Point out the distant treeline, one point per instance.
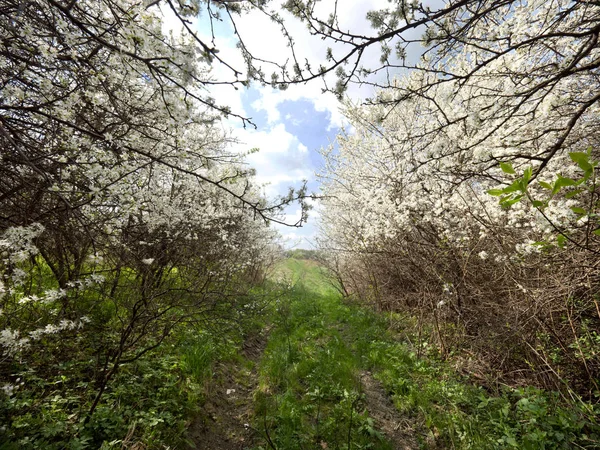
[[301, 253]]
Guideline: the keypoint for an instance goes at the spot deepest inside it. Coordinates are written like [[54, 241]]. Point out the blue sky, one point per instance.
[[289, 153], [292, 125]]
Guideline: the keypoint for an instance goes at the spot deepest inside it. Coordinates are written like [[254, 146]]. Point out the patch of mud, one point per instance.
[[224, 422], [397, 429]]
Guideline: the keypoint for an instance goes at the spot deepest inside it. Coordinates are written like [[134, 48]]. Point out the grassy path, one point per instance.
[[226, 419], [335, 375], [314, 390]]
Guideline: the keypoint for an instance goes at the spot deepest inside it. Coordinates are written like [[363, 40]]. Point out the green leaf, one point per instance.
[[597, 232], [579, 156], [495, 192], [527, 174], [510, 201], [516, 186], [574, 193], [546, 185], [507, 168], [578, 210], [538, 204], [582, 160], [562, 182], [561, 239]]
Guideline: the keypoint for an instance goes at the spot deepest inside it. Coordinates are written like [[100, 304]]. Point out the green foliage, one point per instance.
[[147, 402], [456, 413], [309, 387], [581, 189], [310, 394]]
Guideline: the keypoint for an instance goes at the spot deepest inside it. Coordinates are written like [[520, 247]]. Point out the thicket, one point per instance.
[[466, 193], [126, 224]]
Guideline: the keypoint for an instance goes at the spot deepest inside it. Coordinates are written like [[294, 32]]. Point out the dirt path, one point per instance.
[[397, 429], [311, 321], [225, 420]]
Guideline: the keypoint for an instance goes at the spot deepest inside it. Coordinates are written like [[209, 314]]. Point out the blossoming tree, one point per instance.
[[124, 214], [467, 188]]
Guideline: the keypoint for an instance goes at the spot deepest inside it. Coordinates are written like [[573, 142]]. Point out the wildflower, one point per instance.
[[8, 389]]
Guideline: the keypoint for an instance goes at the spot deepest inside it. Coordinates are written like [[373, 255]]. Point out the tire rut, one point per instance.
[[397, 429], [224, 422]]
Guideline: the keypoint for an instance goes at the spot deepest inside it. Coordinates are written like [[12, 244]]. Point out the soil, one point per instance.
[[225, 420], [397, 429]]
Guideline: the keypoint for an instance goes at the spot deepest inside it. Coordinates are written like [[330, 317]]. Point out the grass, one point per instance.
[[310, 394]]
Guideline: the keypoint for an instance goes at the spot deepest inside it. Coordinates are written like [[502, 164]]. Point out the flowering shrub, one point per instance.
[[466, 191], [125, 217]]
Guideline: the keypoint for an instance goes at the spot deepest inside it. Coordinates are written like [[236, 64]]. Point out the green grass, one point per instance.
[[310, 395], [306, 273]]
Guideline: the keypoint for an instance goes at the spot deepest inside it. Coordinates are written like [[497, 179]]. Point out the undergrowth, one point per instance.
[[456, 413], [148, 403], [310, 394]]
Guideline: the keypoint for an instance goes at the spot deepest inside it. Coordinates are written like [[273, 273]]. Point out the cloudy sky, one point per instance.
[[292, 125]]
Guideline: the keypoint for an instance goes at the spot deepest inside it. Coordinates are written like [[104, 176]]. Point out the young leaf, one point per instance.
[[562, 182], [573, 193], [546, 185], [507, 168], [515, 186], [527, 174], [509, 202], [582, 160], [578, 210], [561, 239], [495, 192]]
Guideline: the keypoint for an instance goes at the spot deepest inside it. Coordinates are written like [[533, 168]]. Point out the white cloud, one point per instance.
[[298, 237], [270, 100], [264, 39], [282, 160]]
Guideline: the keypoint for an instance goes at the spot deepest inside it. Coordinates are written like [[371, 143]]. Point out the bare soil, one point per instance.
[[225, 420], [397, 429]]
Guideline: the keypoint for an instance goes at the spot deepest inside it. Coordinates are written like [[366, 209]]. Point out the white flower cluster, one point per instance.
[[12, 342], [427, 162], [16, 243], [57, 328]]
